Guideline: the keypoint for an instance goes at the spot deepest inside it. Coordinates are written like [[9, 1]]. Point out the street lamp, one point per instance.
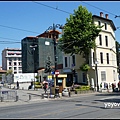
[[97, 86], [33, 47], [53, 28]]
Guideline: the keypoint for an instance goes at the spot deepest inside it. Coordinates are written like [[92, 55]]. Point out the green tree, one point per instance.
[[79, 35], [48, 68], [9, 72]]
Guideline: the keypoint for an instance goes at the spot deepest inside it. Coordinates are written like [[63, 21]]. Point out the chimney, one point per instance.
[[106, 16], [101, 14]]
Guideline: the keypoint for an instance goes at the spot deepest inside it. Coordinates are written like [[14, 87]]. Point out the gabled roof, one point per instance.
[[49, 32], [3, 71]]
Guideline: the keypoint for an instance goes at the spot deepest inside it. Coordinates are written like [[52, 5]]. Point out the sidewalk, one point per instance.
[[32, 96]]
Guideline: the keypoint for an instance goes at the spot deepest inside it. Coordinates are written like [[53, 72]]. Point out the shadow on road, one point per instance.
[[108, 94]]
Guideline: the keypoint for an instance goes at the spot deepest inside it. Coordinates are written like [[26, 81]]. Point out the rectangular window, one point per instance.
[[107, 55], [20, 68], [114, 75], [15, 59], [10, 63], [99, 23], [105, 26], [15, 63], [19, 59], [19, 63], [10, 59], [93, 57], [15, 68], [100, 40], [66, 62], [10, 68], [106, 40], [73, 60], [84, 77], [101, 57], [103, 76]]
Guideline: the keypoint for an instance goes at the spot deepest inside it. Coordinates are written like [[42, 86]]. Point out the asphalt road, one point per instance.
[[80, 106]]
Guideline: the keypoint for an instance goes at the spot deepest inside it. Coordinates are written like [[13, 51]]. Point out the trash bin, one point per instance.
[[57, 91]]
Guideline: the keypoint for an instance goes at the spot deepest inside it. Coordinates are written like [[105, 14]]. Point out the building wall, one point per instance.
[[11, 59], [45, 48], [111, 77]]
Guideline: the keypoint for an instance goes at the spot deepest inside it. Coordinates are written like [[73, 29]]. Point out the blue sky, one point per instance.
[[34, 17]]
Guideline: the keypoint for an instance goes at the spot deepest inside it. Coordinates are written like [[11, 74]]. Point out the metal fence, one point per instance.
[[8, 95]]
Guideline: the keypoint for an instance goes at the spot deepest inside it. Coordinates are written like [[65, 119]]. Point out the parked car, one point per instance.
[[2, 82]]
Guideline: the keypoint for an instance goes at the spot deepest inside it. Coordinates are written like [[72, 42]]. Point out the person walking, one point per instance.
[[119, 86], [17, 85], [113, 87], [45, 87]]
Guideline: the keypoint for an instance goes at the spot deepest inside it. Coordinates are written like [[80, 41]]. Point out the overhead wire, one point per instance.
[[58, 10], [52, 7], [99, 8], [18, 29]]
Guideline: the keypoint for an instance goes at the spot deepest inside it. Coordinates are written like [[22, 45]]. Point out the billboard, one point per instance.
[[24, 77]]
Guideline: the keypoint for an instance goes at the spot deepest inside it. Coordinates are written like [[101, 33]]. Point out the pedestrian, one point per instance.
[[119, 85], [109, 86], [45, 87], [17, 85], [101, 85], [113, 87], [106, 86]]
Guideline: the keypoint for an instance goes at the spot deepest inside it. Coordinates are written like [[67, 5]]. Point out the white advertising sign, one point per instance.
[[24, 77]]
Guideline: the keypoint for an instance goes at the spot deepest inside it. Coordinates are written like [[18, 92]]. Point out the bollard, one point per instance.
[[42, 96], [29, 97], [16, 99], [1, 99], [69, 94], [48, 95]]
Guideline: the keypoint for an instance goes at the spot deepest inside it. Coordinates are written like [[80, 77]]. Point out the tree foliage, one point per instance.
[[48, 68], [79, 33], [9, 72]]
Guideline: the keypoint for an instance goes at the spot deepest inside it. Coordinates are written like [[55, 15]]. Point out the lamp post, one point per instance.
[[97, 86], [33, 47], [53, 28]]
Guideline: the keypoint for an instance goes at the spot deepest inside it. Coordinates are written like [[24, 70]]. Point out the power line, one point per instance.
[[52, 7], [18, 29], [100, 9], [71, 13]]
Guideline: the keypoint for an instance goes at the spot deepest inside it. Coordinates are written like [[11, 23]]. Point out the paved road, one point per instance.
[[79, 106]]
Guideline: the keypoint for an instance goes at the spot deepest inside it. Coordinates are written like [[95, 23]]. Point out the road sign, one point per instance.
[[57, 72]]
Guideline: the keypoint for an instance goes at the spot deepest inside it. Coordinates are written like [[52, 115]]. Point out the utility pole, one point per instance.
[[54, 41], [33, 48]]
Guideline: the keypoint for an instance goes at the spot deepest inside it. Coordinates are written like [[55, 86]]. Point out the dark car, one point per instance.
[[2, 82]]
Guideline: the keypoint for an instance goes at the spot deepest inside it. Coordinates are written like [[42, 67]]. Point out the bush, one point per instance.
[[82, 88], [37, 83], [38, 86]]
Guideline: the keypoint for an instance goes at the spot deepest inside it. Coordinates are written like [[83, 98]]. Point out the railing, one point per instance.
[[7, 95]]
